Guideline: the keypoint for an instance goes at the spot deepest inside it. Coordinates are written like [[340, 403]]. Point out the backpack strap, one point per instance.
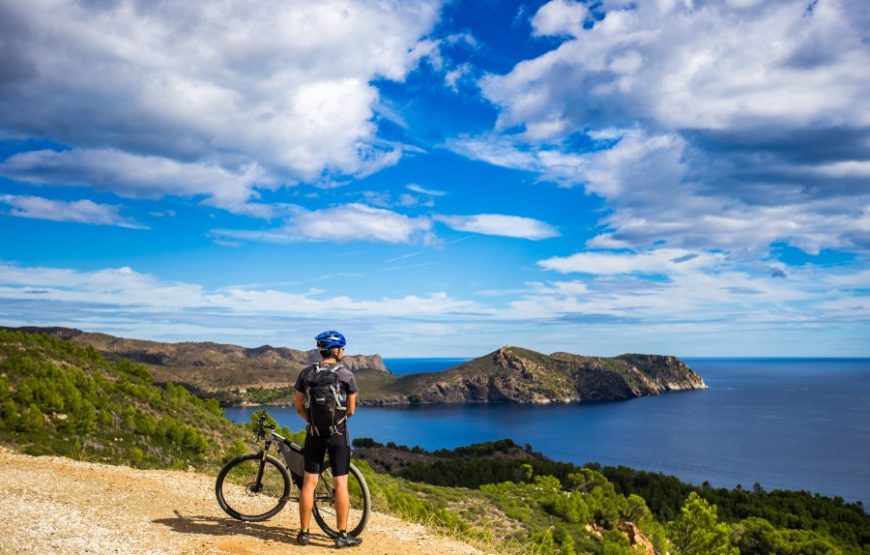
[[307, 403]]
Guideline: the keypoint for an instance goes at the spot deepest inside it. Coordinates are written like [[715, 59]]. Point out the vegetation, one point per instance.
[[543, 495], [60, 398], [846, 523]]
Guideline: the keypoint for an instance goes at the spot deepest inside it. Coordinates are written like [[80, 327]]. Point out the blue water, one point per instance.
[[791, 424], [402, 366]]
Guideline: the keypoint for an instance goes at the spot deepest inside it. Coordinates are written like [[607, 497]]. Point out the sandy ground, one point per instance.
[[57, 505]]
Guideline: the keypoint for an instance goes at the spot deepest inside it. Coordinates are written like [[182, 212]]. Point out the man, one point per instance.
[[326, 398]]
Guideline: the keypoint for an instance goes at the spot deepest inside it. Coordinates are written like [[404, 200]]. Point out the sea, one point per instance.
[[798, 424]]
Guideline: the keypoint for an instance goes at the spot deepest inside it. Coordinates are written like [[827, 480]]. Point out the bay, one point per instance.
[[402, 366], [800, 424]]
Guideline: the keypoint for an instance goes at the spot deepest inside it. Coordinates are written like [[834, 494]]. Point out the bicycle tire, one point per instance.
[[241, 497], [324, 502]]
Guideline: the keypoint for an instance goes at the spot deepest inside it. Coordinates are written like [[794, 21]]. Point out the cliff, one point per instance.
[[516, 375]]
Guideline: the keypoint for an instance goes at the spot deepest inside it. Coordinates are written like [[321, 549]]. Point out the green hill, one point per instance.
[[59, 397], [231, 373]]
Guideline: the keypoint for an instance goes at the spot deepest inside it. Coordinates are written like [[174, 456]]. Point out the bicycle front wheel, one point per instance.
[[324, 502], [252, 487]]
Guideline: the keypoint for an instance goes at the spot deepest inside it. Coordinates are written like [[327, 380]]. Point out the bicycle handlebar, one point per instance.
[[261, 427]]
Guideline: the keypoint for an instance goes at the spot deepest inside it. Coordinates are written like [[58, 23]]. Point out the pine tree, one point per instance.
[[697, 530]]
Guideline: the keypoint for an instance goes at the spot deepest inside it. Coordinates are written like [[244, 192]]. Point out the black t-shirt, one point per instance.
[[345, 376]]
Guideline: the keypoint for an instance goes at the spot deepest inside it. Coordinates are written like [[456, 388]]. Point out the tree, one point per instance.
[[756, 536], [697, 530], [9, 414], [32, 419]]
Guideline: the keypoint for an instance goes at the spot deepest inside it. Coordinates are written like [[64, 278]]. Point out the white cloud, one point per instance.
[[658, 190], [355, 222], [667, 285], [384, 199], [125, 288], [715, 125], [360, 222], [80, 211], [559, 17], [424, 191], [344, 223], [502, 225], [453, 77], [137, 176], [608, 263], [689, 311], [709, 66], [282, 86]]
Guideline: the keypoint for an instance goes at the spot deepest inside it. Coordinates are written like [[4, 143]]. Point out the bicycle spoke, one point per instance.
[[245, 495]]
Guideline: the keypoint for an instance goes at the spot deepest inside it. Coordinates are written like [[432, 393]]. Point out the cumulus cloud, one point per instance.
[[708, 66], [344, 223], [80, 211], [288, 92], [716, 124], [137, 176], [500, 224]]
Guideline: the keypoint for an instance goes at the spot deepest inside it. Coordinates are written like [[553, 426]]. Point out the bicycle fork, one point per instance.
[[258, 483]]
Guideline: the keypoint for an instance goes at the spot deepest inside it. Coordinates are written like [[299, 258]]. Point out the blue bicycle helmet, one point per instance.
[[330, 339]]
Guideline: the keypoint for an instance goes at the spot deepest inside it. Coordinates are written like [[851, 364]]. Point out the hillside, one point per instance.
[[230, 373], [516, 375], [59, 397]]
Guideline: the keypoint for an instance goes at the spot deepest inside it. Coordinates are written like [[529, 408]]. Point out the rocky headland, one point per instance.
[[264, 375], [517, 375]]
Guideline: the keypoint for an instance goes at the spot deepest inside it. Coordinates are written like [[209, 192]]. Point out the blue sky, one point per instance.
[[441, 178]]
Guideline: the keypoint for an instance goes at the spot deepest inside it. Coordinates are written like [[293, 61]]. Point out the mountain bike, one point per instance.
[[256, 486]]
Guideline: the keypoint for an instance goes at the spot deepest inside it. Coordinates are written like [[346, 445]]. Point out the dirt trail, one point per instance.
[[57, 505]]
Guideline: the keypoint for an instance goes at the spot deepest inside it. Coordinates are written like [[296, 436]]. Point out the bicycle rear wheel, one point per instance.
[[253, 488], [324, 502]]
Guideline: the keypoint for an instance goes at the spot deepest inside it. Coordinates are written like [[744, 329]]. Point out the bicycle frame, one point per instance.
[[290, 471], [287, 449]]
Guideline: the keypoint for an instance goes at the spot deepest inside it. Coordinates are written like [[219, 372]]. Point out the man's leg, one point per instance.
[[342, 500], [339, 456], [306, 499]]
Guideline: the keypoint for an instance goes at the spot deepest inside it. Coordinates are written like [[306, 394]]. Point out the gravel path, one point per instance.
[[57, 505]]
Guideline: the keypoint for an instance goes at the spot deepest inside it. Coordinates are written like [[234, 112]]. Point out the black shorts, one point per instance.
[[338, 447]]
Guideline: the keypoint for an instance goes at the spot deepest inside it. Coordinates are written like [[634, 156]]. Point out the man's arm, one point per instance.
[[351, 404], [300, 406]]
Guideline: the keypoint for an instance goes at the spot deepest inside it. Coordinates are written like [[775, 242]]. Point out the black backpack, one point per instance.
[[326, 401]]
